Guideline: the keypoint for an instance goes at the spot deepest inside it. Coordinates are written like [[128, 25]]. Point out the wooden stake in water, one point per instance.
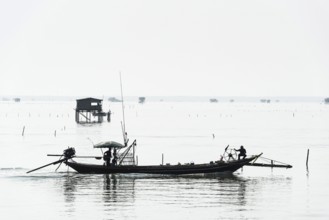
[[23, 131], [162, 159], [308, 152]]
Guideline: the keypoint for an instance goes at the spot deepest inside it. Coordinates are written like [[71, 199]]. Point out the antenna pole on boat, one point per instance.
[[134, 155], [123, 115]]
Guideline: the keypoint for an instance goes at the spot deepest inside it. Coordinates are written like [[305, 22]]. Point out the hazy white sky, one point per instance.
[[172, 47]]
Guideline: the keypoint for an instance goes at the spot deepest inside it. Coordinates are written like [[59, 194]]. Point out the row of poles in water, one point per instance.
[[55, 132]]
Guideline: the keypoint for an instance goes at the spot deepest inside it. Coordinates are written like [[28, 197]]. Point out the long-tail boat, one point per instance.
[[126, 164]]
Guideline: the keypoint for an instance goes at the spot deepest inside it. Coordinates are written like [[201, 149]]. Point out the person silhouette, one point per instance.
[[107, 157], [115, 157], [242, 152]]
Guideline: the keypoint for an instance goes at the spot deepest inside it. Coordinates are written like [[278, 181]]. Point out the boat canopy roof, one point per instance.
[[109, 144]]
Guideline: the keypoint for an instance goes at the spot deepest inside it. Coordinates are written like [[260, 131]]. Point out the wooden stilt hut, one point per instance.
[[89, 110]]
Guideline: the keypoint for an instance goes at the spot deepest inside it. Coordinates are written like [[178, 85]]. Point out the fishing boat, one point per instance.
[[124, 161], [127, 163], [227, 163], [217, 167]]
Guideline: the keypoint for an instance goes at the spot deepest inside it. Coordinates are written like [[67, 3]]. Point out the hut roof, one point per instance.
[[89, 100], [89, 104]]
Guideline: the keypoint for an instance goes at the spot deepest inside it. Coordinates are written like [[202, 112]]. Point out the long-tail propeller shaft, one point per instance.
[[67, 153]]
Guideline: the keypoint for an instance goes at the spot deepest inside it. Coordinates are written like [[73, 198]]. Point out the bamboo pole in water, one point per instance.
[[308, 152], [23, 131]]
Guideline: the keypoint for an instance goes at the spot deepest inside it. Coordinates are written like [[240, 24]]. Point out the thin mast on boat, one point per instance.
[[123, 124]]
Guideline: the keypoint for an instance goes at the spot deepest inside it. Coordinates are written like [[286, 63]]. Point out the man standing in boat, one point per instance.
[[107, 157], [115, 157], [243, 152]]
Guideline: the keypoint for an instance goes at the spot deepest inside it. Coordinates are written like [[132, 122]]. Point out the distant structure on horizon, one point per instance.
[[265, 100], [213, 100], [17, 99], [113, 99], [326, 100], [90, 110], [141, 100]]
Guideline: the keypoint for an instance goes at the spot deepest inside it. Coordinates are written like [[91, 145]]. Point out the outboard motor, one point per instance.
[[69, 153]]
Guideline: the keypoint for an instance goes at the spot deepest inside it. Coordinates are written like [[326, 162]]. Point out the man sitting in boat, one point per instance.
[[107, 157], [243, 152]]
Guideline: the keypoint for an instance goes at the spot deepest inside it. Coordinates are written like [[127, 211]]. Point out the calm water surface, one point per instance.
[[183, 133]]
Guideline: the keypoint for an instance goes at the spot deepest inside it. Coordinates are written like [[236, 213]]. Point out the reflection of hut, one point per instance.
[[326, 100], [141, 100], [90, 110]]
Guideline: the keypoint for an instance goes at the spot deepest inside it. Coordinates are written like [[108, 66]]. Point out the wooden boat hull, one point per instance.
[[230, 167]]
